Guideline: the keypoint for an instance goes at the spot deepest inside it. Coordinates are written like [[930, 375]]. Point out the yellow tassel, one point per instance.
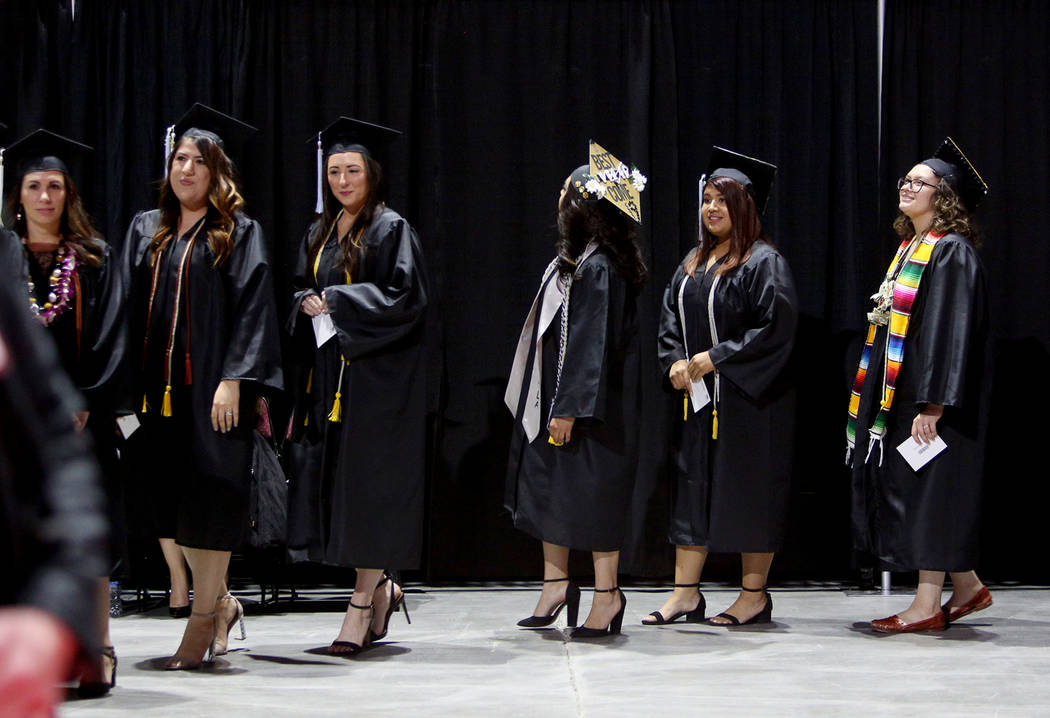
[[306, 419], [145, 406], [685, 408], [165, 407], [337, 409], [310, 381], [714, 424]]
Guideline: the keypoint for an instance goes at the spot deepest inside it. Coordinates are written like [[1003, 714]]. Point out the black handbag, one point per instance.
[[268, 498]]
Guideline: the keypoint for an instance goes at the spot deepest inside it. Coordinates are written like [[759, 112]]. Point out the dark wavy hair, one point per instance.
[[372, 207], [76, 228], [580, 221], [746, 230], [949, 215], [224, 200]]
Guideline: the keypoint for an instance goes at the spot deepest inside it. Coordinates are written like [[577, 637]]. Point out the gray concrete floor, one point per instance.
[[463, 656]]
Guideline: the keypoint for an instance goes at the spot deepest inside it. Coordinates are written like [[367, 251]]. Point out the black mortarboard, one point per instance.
[[752, 174], [228, 132], [950, 164], [41, 150], [349, 135]]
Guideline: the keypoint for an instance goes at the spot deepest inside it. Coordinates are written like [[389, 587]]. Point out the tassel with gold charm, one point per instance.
[[336, 414], [165, 407]]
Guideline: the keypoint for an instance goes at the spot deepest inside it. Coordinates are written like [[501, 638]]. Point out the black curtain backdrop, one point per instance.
[[498, 99]]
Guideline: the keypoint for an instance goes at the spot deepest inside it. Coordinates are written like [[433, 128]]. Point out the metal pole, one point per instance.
[[885, 583]]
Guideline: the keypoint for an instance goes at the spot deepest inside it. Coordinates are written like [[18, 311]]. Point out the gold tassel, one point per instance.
[[310, 381], [714, 424], [145, 406], [165, 407], [337, 409], [685, 408]]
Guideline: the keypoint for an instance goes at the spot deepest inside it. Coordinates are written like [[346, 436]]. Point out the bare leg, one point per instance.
[[555, 566], [209, 570], [357, 621], [180, 584], [927, 601], [605, 606], [965, 586], [749, 604], [102, 597], [688, 563]]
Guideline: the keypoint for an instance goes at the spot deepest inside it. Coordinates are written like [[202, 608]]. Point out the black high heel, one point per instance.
[[178, 611], [763, 616], [572, 601], [694, 616], [349, 648], [238, 617], [390, 609], [614, 625], [92, 688]]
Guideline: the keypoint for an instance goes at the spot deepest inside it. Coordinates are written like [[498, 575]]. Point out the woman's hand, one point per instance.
[[679, 375], [225, 407], [560, 429], [924, 426], [313, 305], [700, 365]]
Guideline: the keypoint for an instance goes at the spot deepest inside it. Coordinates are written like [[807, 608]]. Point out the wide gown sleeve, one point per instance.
[[670, 344], [581, 392], [104, 352], [253, 352], [752, 357], [369, 315], [302, 281], [952, 314]]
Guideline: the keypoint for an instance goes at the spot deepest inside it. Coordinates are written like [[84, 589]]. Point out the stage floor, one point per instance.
[[463, 656]]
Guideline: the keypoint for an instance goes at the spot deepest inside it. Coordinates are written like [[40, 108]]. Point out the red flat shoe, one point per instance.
[[980, 601], [894, 624]]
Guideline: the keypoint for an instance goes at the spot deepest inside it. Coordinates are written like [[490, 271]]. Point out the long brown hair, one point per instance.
[[746, 229], [224, 200], [332, 207], [580, 221], [949, 215], [76, 228]]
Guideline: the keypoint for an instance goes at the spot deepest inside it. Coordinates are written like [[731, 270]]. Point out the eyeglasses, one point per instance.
[[914, 185]]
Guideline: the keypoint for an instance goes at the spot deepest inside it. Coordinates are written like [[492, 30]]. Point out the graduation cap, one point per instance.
[[950, 164], [752, 174], [606, 177], [349, 135], [220, 128], [40, 151]]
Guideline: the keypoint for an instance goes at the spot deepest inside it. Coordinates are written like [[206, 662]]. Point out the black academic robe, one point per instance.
[[578, 495], [364, 507], [92, 355], [929, 519], [197, 478], [52, 519], [732, 492]]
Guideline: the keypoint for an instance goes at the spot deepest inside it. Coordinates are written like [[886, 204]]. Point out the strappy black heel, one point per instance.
[[349, 648], [390, 609], [763, 616], [694, 616], [614, 625], [572, 601]]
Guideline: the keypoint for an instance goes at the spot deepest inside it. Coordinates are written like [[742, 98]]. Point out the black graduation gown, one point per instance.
[[929, 519], [732, 491], [364, 508], [198, 478], [93, 357], [52, 519], [578, 495]]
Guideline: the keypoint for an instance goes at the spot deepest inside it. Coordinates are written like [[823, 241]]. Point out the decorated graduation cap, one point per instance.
[[606, 177], [347, 134], [41, 151], [227, 132], [752, 174], [950, 164]]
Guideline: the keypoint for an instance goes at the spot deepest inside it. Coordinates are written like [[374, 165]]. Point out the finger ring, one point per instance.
[[229, 412]]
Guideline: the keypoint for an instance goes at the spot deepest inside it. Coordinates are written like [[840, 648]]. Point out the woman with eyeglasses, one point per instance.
[[919, 383]]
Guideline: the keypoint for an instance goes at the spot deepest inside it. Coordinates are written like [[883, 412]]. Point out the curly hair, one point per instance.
[[373, 205], [580, 221], [76, 228], [746, 229], [224, 200], [949, 215]]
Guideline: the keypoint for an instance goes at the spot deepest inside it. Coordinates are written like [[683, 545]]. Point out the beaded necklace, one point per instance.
[[61, 291]]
